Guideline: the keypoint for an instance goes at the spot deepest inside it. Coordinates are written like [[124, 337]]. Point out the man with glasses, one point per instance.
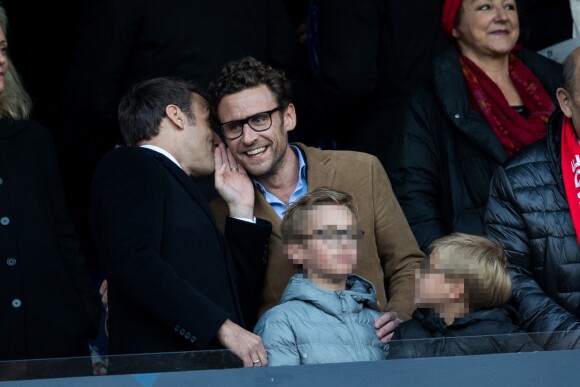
[[252, 102]]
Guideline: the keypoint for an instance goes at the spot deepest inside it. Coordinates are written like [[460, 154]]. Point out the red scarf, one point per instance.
[[571, 171], [513, 130]]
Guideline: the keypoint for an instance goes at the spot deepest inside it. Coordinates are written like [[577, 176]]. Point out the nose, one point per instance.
[[501, 14], [249, 135]]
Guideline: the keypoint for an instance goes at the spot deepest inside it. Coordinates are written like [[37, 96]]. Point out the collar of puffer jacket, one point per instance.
[[434, 323], [358, 293]]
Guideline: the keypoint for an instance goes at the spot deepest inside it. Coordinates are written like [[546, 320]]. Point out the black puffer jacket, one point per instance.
[[481, 332], [448, 152], [528, 213]]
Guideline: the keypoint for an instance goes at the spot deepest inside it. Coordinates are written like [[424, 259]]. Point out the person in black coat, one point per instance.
[[486, 100], [532, 214], [47, 306], [174, 282], [462, 293]]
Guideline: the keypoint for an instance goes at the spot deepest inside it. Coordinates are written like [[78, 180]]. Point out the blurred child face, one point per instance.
[[331, 245], [432, 288]]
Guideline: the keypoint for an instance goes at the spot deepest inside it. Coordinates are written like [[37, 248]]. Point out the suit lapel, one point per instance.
[[320, 169], [195, 192], [263, 209], [186, 182]]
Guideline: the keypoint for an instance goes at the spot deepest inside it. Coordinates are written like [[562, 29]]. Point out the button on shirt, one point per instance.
[[301, 188]]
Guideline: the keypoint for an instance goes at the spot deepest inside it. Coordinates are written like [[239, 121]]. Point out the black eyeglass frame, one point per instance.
[[247, 121], [330, 235]]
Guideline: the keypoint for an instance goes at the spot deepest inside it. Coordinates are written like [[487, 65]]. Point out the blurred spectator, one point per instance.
[[47, 307], [462, 292]]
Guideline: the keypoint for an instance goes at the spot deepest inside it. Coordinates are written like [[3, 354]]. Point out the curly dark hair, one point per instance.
[[247, 73]]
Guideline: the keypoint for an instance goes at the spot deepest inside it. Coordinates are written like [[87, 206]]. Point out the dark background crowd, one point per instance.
[[379, 50]]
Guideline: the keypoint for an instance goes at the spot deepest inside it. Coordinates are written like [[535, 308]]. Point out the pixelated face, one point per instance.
[[433, 286], [331, 242], [262, 154]]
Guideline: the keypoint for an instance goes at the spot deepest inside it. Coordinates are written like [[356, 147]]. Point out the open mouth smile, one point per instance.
[[256, 151]]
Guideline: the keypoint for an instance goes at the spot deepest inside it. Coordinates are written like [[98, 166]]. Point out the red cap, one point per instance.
[[449, 14]]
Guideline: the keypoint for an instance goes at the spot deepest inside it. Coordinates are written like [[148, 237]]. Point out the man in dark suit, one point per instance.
[[173, 279]]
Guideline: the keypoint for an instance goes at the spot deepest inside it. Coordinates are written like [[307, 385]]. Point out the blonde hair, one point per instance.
[[481, 263], [294, 221], [14, 100]]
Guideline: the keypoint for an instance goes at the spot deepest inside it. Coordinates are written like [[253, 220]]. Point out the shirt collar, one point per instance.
[[300, 190], [162, 151]]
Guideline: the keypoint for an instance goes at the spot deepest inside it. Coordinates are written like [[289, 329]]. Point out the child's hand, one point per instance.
[[386, 325]]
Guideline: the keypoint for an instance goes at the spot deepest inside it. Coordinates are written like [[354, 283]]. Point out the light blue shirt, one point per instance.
[[301, 188]]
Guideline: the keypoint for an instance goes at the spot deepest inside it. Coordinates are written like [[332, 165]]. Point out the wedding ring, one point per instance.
[[256, 361]]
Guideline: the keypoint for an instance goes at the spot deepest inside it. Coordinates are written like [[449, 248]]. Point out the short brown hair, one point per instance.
[[142, 108], [292, 226], [481, 263]]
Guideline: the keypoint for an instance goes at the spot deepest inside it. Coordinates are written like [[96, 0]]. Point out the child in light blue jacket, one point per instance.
[[326, 314]]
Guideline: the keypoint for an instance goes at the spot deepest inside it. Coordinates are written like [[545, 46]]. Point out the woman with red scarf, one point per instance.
[[487, 99]]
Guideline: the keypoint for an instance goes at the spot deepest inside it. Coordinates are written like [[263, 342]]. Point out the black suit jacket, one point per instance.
[[173, 280]]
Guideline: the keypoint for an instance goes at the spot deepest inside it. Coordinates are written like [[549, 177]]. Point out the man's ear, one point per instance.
[[289, 118], [175, 115], [565, 100]]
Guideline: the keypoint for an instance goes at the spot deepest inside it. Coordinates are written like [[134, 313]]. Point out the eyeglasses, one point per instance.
[[259, 122], [336, 234]]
